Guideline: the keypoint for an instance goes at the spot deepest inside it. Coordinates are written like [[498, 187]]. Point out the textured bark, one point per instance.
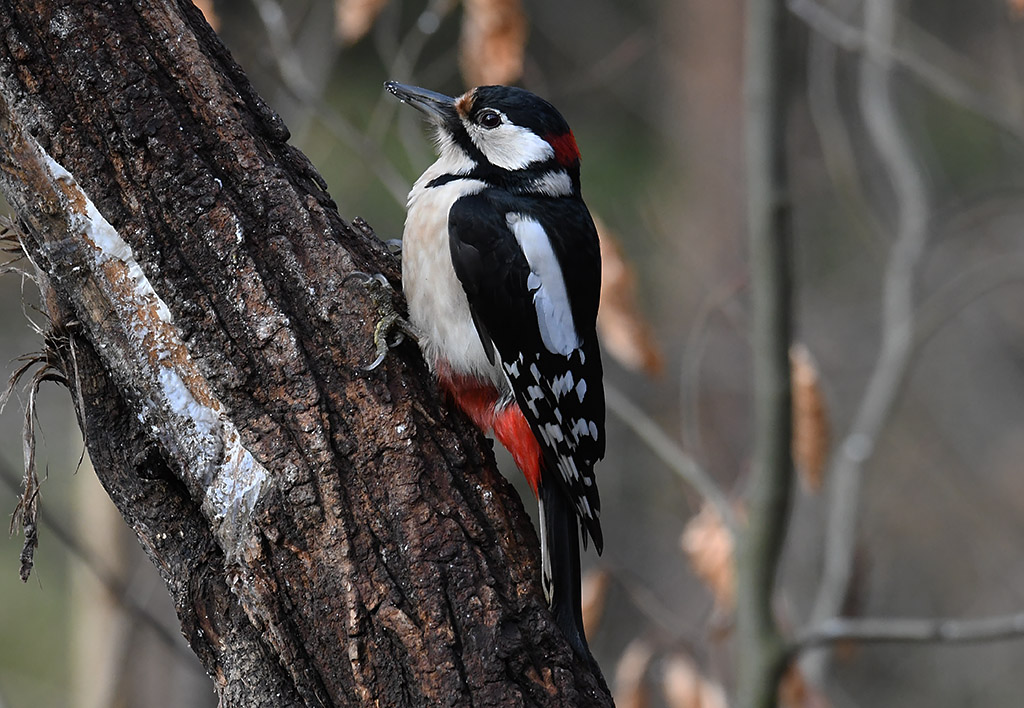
[[329, 536]]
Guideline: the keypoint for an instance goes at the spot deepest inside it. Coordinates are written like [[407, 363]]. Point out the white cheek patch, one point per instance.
[[550, 298], [509, 146]]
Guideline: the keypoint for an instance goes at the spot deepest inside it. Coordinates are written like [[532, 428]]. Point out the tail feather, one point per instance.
[[560, 565]]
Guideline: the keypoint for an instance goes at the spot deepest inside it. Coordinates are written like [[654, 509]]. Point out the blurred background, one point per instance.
[[906, 152]]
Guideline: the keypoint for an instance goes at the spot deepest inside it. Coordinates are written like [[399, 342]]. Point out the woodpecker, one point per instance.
[[501, 269]]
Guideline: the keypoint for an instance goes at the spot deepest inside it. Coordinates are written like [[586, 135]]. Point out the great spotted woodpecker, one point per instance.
[[501, 269]]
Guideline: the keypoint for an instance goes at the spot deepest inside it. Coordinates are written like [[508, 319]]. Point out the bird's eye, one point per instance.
[[489, 119]]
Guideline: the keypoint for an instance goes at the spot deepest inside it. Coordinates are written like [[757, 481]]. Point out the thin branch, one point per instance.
[[118, 588], [283, 50], [759, 643], [674, 457], [897, 630], [344, 131], [962, 290], [401, 63], [666, 621], [831, 123], [716, 301], [932, 62], [294, 80], [885, 131]]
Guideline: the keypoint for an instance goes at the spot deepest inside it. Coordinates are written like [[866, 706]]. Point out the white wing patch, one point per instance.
[[550, 298]]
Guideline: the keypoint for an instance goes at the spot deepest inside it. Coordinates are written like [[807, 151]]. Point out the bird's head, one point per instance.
[[500, 133]]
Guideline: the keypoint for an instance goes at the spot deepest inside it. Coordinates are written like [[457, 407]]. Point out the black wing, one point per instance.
[[555, 374]]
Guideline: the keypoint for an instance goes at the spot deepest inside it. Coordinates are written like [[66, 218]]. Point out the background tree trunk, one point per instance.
[[328, 536]]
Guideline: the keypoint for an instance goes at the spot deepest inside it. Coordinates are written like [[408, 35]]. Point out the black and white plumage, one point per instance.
[[501, 270], [506, 251]]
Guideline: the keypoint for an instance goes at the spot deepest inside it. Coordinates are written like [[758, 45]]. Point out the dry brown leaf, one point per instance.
[[811, 431], [682, 683], [493, 42], [795, 692], [49, 367], [625, 332], [631, 675], [685, 687], [206, 7], [593, 590], [354, 18], [708, 545], [712, 695]]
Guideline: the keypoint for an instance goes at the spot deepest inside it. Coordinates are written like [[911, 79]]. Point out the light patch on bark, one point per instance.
[[173, 396]]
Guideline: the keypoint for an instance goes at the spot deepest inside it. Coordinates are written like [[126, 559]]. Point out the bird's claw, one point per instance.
[[366, 280], [391, 329]]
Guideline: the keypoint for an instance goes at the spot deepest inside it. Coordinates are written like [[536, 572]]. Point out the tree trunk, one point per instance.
[[329, 536]]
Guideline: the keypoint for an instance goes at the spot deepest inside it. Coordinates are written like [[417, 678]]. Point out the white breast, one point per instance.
[[437, 302]]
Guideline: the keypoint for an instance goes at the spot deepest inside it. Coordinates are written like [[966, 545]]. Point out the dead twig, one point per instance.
[[674, 457], [902, 630]]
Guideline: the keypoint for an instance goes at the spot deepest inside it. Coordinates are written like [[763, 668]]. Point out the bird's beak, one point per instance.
[[436, 106]]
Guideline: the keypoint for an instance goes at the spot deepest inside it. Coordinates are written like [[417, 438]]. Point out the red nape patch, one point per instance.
[[512, 431], [565, 148]]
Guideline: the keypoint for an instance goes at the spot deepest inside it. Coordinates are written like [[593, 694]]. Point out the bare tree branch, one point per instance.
[[719, 300], [831, 123], [933, 63], [902, 630], [108, 578], [674, 457], [760, 645], [896, 347], [964, 289], [295, 82]]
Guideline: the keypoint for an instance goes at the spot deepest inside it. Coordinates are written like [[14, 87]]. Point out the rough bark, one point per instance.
[[329, 536]]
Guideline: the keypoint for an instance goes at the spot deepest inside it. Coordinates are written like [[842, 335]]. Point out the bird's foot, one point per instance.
[[391, 329]]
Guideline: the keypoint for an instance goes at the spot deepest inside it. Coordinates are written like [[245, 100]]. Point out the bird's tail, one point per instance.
[[560, 564]]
